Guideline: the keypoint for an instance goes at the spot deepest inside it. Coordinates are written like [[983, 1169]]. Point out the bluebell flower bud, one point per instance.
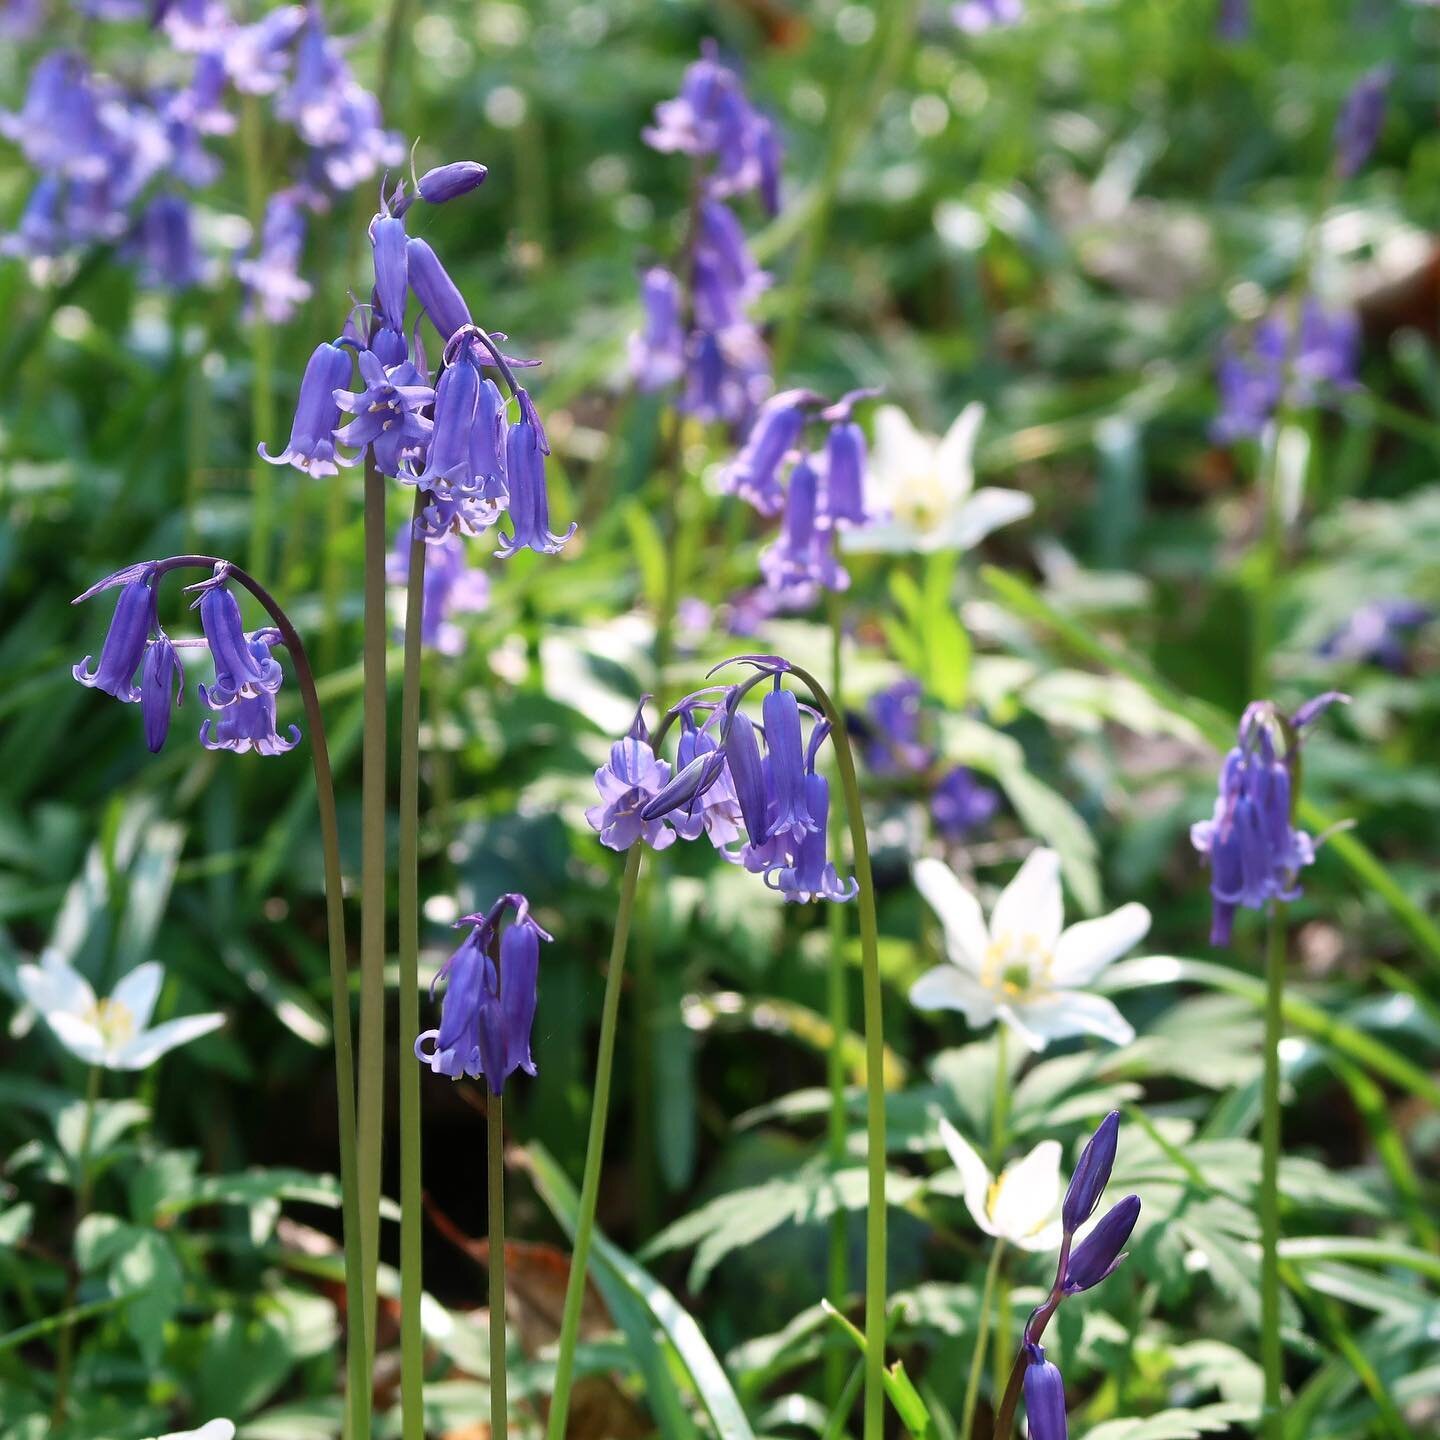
[[312, 434], [388, 240], [529, 504], [162, 684], [448, 182], [781, 714], [436, 291], [124, 645], [1102, 1250], [748, 774], [1092, 1174], [690, 784], [1045, 1398]]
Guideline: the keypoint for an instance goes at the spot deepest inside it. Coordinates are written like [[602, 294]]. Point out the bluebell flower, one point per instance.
[[1232, 24], [452, 587], [891, 728], [164, 242], [657, 352], [20, 19], [58, 128], [388, 244], [753, 474], [125, 641], [843, 499], [790, 816], [162, 685], [529, 505], [810, 875], [243, 664], [447, 458], [258, 55], [975, 17], [802, 561], [1377, 634], [312, 434], [631, 778], [449, 182], [1254, 851], [1101, 1252], [437, 293], [246, 724], [960, 804], [200, 27], [1091, 1174], [272, 277], [1361, 118], [387, 416], [1044, 1397], [701, 798]]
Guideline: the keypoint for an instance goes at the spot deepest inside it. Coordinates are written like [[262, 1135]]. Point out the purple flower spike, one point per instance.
[[436, 291], [162, 685], [1360, 121], [388, 240], [243, 665], [449, 182], [1100, 1253], [752, 475], [781, 713], [1091, 1174], [124, 646], [529, 506], [1044, 1398], [312, 435], [657, 353]]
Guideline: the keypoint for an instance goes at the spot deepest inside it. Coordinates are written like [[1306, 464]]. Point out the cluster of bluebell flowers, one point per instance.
[[119, 163], [1251, 843], [895, 748], [753, 790], [491, 992], [451, 439], [1082, 1265], [241, 700], [699, 325]]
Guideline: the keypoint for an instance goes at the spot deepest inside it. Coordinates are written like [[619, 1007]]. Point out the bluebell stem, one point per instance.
[[312, 434], [1044, 1397], [1254, 851], [1359, 123], [162, 684], [125, 642], [1377, 634], [489, 1010], [529, 506], [449, 182]]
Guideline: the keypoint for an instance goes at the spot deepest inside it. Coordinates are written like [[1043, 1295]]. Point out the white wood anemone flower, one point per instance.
[[115, 1032], [213, 1430], [1021, 1205], [922, 489], [1025, 968]]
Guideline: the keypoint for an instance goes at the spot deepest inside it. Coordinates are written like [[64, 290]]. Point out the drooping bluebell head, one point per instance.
[[243, 664], [1044, 1398], [1091, 1174], [162, 685], [125, 642], [449, 182], [436, 291], [1360, 121], [627, 782], [529, 504], [312, 435]]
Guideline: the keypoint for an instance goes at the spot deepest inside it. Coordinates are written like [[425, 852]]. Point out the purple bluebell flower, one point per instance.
[[975, 17], [387, 415], [843, 499], [243, 664], [42, 231], [791, 817], [1254, 851], [1326, 351], [726, 376], [1377, 634], [657, 352], [164, 241], [388, 242], [627, 782], [162, 685], [811, 876], [802, 560], [59, 128], [1044, 1398], [436, 291], [747, 775], [894, 747], [200, 27], [449, 182], [125, 641], [452, 587], [529, 505], [690, 124], [258, 56], [245, 724], [1091, 1174], [701, 797], [519, 996], [272, 277], [960, 804], [753, 474], [312, 434], [1361, 118], [1100, 1253], [20, 19], [1251, 384], [456, 1043], [1232, 24], [447, 460]]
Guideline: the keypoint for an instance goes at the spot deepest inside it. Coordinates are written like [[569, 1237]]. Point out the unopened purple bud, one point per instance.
[[448, 182], [388, 239], [748, 774], [312, 435], [1045, 1398], [519, 992], [800, 501], [124, 645], [435, 290], [162, 684], [693, 780], [1092, 1174], [1102, 1250], [657, 352], [845, 457]]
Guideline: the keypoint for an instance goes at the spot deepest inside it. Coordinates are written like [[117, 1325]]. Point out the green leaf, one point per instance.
[[617, 1274], [899, 1388], [1176, 1424]]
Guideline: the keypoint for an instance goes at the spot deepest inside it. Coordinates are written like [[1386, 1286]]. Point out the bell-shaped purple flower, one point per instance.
[[447, 460], [243, 664], [452, 587], [125, 641], [455, 1050], [519, 995], [437, 293], [162, 685], [960, 804], [700, 798], [387, 415], [1099, 1254], [529, 504], [802, 561], [1044, 1398], [257, 56], [272, 277], [449, 182], [388, 241], [1360, 121], [627, 782], [790, 817], [812, 876], [1378, 633], [657, 352], [753, 474], [1091, 1174], [312, 434], [244, 724], [843, 500], [164, 244], [891, 730], [747, 773]]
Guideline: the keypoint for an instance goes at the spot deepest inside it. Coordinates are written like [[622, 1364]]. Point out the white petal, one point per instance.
[[1074, 1012], [1028, 1037], [78, 1036], [955, 459], [1031, 904], [974, 1175], [899, 450], [887, 537], [1027, 1193], [139, 990], [146, 1048], [1045, 1238], [984, 511], [214, 1430], [1084, 950], [947, 987], [54, 985], [957, 909]]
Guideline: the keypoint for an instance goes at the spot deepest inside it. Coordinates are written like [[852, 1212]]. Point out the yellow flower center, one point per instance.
[[1016, 965], [114, 1020], [920, 501]]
